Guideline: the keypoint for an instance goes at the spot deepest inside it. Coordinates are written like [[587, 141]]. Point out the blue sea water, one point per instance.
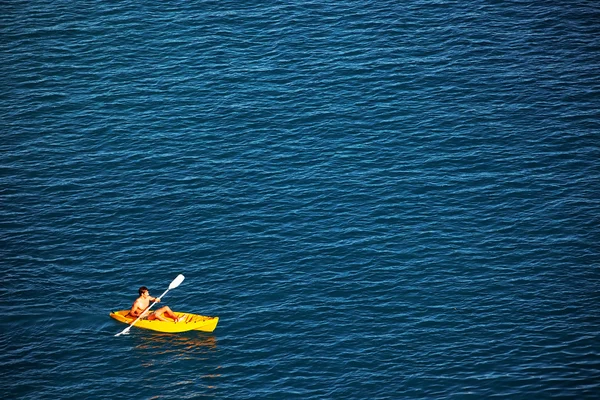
[[379, 199]]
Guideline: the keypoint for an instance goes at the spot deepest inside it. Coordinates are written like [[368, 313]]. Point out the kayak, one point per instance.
[[190, 322]]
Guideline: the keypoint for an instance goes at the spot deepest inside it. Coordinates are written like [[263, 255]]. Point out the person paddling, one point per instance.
[[141, 304]]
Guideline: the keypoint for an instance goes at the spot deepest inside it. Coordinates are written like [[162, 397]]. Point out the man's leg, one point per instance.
[[161, 312]]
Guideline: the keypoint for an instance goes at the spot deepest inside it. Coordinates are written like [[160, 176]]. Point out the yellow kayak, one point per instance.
[[189, 323]]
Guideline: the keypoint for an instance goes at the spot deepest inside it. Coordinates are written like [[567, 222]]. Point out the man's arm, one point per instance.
[[134, 309], [137, 309]]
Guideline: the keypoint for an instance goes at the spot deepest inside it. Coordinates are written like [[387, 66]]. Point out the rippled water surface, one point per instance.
[[379, 199]]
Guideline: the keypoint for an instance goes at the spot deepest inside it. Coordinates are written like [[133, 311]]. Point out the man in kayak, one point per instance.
[[141, 304]]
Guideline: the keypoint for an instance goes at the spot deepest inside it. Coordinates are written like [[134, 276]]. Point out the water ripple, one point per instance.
[[379, 200]]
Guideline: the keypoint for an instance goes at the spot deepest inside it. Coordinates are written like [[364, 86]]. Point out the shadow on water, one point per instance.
[[185, 345], [190, 356]]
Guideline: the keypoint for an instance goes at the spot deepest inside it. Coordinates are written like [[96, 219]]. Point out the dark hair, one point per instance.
[[142, 290]]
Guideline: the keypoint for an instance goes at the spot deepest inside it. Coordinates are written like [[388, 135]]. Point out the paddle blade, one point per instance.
[[124, 332], [176, 282]]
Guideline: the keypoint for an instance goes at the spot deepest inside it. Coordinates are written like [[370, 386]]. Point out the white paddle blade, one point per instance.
[[124, 332], [176, 282]]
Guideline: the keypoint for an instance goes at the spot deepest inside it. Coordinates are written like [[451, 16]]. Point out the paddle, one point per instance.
[[176, 282]]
